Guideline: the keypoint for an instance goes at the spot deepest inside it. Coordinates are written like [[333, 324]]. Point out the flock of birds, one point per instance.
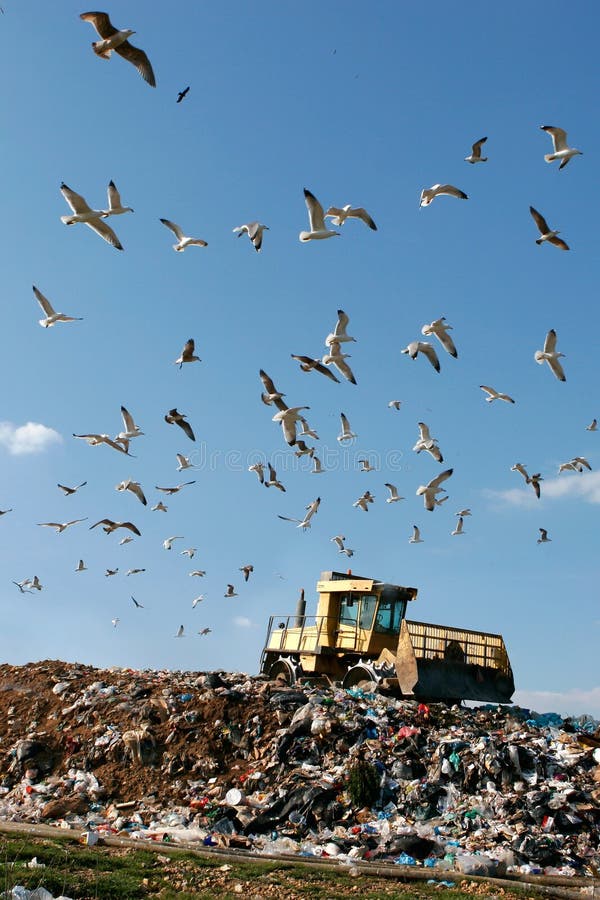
[[332, 364]]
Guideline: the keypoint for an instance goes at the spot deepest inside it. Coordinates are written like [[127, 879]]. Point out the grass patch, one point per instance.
[[111, 873]]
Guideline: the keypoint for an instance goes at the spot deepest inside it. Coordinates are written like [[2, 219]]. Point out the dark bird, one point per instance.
[[182, 94], [176, 418], [113, 39], [108, 526], [308, 364], [138, 605], [71, 490]]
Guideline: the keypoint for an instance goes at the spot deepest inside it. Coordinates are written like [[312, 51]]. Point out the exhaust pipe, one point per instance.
[[300, 610]]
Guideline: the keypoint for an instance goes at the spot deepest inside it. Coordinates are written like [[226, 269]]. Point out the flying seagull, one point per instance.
[[108, 526], [459, 527], [428, 491], [135, 488], [543, 538], [184, 462], [173, 490], [307, 364], [336, 358], [126, 540], [131, 430], [81, 566], [115, 207], [339, 540], [113, 39], [437, 190], [547, 234], [71, 490], [168, 542], [182, 240], [115, 621], [364, 500], [395, 404], [159, 507], [476, 156], [394, 496], [593, 426], [339, 215], [176, 418], [577, 464], [550, 355], [182, 94], [197, 600], [22, 585], [426, 442], [305, 522], [4, 511], [270, 394], [61, 526], [110, 572], [187, 354], [247, 570], [52, 317], [260, 471], [561, 149], [134, 571], [534, 481], [189, 552], [339, 334], [318, 229], [230, 592], [136, 603], [365, 466], [317, 468], [205, 631], [415, 347], [346, 433], [463, 513], [82, 212], [94, 440], [254, 230], [416, 536], [494, 395], [272, 481], [199, 573], [288, 418], [520, 468], [439, 328], [179, 633]]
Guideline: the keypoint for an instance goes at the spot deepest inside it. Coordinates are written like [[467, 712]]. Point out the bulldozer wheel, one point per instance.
[[358, 673], [284, 669]]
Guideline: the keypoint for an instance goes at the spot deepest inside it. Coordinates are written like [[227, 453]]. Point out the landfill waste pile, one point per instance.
[[231, 760]]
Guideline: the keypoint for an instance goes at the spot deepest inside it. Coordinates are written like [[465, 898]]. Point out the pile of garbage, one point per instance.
[[230, 760]]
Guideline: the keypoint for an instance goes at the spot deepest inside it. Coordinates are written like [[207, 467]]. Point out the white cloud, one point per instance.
[[33, 437], [243, 622], [586, 486], [575, 702]]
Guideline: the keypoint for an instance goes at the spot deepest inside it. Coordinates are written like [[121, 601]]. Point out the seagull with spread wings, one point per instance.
[[394, 496], [183, 240], [115, 207], [308, 364], [346, 433], [316, 216], [94, 440], [440, 329], [363, 501], [336, 358], [428, 195], [562, 150], [272, 480], [69, 491], [187, 354], [339, 335], [288, 418], [176, 418], [52, 317], [254, 230], [130, 429], [271, 395], [428, 491], [548, 235], [551, 355], [61, 526], [416, 536], [338, 215], [305, 522], [416, 347], [135, 488], [118, 40], [82, 212], [247, 570], [495, 395], [426, 442], [475, 155], [108, 526], [173, 490]]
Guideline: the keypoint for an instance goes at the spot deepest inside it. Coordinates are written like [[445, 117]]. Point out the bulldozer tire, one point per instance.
[[285, 669], [359, 673]]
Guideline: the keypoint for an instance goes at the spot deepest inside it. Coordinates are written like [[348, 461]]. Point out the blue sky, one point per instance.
[[364, 105]]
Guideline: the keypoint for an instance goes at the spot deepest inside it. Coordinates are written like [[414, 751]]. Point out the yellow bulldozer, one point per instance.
[[360, 633]]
